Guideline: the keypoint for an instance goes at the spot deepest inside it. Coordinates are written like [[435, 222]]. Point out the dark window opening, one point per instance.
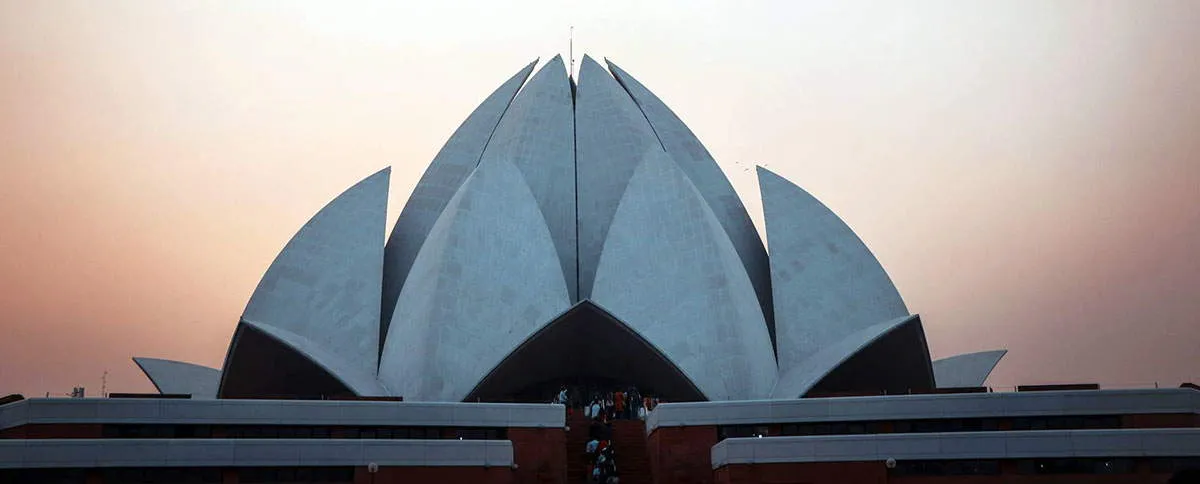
[[946, 468], [161, 475], [1076, 466], [295, 474]]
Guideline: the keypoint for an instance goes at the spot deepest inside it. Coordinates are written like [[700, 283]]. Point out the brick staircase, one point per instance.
[[633, 460], [577, 439]]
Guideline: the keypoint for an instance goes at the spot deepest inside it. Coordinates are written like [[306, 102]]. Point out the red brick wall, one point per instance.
[[540, 455], [682, 454], [807, 473], [876, 473], [1027, 479], [445, 475]]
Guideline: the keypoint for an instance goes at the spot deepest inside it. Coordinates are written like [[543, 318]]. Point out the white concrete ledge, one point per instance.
[[933, 406], [279, 412], [959, 445], [65, 453]]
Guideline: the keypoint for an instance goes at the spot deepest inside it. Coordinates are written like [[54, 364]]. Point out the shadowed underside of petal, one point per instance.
[[537, 135], [172, 377], [260, 365], [890, 357], [585, 344], [691, 157], [669, 271], [611, 137], [966, 370], [324, 285], [442, 179], [487, 278], [827, 285]]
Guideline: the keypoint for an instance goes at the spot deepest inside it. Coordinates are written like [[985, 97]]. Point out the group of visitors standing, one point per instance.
[[627, 403]]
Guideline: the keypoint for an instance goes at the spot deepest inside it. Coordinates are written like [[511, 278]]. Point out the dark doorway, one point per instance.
[[585, 346]]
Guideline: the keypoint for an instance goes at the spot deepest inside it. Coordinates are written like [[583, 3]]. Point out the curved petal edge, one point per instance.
[[611, 137], [172, 377], [966, 370], [324, 286], [442, 179], [827, 285], [537, 135], [487, 279], [694, 159], [669, 271]]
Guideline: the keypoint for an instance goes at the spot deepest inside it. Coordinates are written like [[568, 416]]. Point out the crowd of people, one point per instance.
[[625, 403], [601, 408]]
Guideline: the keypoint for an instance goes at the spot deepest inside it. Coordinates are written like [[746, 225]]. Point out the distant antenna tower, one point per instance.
[[571, 53], [104, 384]]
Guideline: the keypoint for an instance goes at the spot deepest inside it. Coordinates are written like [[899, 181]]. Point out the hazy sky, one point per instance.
[[1026, 171]]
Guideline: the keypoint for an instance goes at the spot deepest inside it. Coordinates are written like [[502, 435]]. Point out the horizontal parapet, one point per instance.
[[926, 407], [966, 370], [107, 453], [172, 377], [37, 411], [959, 445]]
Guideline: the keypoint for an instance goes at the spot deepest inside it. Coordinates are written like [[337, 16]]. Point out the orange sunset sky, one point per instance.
[[1027, 171]]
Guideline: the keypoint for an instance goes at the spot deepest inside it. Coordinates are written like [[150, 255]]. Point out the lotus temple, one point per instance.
[[575, 233]]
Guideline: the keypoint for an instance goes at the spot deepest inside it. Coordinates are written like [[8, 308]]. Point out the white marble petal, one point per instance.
[[827, 285], [324, 286], [611, 136], [537, 135], [966, 370], [487, 278], [691, 156], [442, 179], [177, 377], [669, 271]]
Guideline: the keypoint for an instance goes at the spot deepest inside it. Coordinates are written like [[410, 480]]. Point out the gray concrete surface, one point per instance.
[[959, 445], [278, 412], [918, 407], [93, 453]]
